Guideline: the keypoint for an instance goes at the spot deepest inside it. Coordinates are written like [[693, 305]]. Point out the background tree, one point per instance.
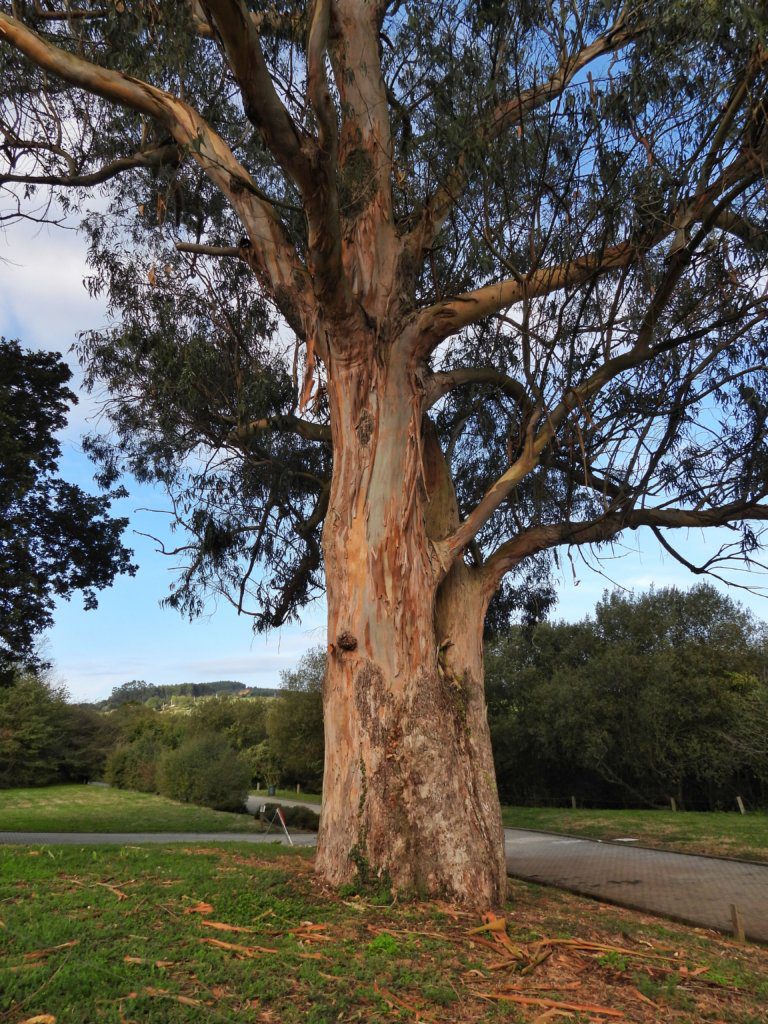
[[295, 721], [44, 739], [517, 259], [663, 694], [54, 538], [243, 719], [143, 737], [31, 732]]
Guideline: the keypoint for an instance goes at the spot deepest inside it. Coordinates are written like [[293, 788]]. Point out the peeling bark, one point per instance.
[[409, 792]]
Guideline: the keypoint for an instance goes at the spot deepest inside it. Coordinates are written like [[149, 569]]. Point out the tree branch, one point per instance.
[[213, 250], [365, 147], [144, 158], [71, 14], [534, 446], [271, 254], [445, 318], [283, 424], [443, 382], [540, 538], [324, 216], [235, 29], [269, 22]]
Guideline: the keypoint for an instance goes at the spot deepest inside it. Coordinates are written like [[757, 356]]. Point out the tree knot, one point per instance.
[[346, 641], [365, 427]]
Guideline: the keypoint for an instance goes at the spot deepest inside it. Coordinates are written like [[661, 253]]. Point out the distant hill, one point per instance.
[[137, 691]]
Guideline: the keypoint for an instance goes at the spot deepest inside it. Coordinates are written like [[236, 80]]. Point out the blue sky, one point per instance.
[[43, 303]]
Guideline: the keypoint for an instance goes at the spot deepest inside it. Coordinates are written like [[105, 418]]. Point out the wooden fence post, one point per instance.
[[738, 924]]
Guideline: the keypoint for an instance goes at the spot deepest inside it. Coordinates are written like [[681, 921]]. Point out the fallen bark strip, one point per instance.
[[39, 954], [397, 1001], [602, 947], [606, 1011], [222, 927], [234, 947]]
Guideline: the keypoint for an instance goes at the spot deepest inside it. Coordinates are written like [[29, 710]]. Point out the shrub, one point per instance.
[[205, 770], [295, 817], [135, 765]]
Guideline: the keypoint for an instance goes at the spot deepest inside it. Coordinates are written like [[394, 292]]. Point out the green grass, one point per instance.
[[721, 834], [98, 809], [108, 935], [289, 794]]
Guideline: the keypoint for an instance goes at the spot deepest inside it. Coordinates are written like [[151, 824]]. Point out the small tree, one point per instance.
[[241, 720], [264, 763], [295, 720], [31, 732]]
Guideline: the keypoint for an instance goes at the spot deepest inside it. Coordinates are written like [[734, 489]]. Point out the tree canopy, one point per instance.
[[54, 538], [577, 203]]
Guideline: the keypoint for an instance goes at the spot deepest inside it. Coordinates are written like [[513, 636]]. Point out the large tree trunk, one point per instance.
[[409, 791]]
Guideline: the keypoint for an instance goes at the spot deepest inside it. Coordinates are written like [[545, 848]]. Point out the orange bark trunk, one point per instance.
[[409, 792]]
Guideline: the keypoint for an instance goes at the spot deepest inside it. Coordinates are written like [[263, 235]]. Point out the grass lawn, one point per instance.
[[105, 935], [722, 834], [98, 809]]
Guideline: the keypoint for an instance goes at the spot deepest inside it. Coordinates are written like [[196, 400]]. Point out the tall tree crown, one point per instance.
[[555, 218]]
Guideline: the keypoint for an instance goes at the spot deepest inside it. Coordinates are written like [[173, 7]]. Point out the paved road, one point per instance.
[[696, 890], [137, 838]]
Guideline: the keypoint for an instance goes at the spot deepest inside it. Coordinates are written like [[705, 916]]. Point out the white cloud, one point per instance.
[[43, 301]]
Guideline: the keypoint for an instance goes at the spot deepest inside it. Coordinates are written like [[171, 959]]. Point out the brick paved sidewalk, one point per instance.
[[696, 890]]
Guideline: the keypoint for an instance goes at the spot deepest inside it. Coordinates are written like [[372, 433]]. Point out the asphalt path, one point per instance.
[[139, 838], [695, 890]]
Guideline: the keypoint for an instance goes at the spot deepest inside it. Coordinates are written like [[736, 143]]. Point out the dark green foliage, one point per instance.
[[243, 721], [44, 739], [205, 770], [202, 756], [31, 732], [54, 538], [134, 765], [295, 722], [143, 736], [89, 737], [656, 696], [266, 767]]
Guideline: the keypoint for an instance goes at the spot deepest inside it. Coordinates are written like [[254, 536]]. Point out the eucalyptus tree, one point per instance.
[[408, 296]]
